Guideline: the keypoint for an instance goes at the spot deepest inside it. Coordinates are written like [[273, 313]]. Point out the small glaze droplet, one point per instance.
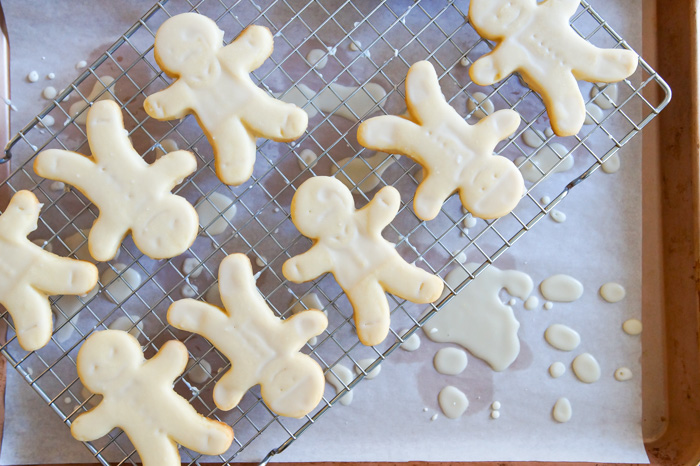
[[562, 410]]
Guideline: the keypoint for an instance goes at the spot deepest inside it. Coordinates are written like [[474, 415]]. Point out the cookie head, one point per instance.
[[165, 228], [108, 358], [292, 386], [187, 43], [496, 18], [321, 206]]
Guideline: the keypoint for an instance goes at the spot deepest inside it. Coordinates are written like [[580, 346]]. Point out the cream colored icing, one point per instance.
[[496, 405], [612, 292], [594, 114], [455, 156], [66, 308], [317, 58], [612, 165], [111, 363], [127, 324], [561, 288], [78, 244], [557, 369], [49, 93], [262, 348], [29, 274], [308, 301], [198, 372], [453, 402], [349, 244], [533, 138], [411, 343], [338, 100], [339, 378], [363, 364], [623, 374], [557, 215], [77, 109], [604, 98], [80, 65], [469, 222], [562, 411], [192, 266], [562, 337], [213, 83], [632, 326], [450, 361], [477, 319], [536, 40], [215, 213], [586, 368], [47, 121], [132, 195], [531, 303], [119, 289], [166, 146], [495, 414], [307, 159], [57, 186], [32, 76], [545, 161], [548, 305], [362, 173], [481, 105]]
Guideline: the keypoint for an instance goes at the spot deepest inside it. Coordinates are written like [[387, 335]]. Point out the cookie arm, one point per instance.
[[394, 135], [200, 434], [306, 324], [382, 209], [498, 125], [249, 50], [62, 165], [195, 316], [105, 237], [307, 266], [173, 167], [170, 361], [62, 275], [93, 424], [495, 66], [274, 119], [171, 103], [21, 214]]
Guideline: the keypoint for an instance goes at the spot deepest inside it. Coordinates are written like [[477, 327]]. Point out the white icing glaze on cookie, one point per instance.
[[455, 156], [29, 274], [213, 83], [156, 419], [535, 39], [132, 195], [477, 319], [262, 348], [349, 244]]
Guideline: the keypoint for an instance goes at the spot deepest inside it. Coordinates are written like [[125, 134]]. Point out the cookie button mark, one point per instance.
[[364, 264], [30, 274], [111, 363], [536, 39], [130, 194], [489, 185], [213, 83], [262, 348]]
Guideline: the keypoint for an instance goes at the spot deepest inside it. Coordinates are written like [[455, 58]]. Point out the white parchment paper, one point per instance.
[[390, 417]]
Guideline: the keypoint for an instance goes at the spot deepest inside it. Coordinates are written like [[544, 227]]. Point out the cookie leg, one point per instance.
[[412, 283], [234, 152], [155, 449], [105, 237], [229, 390], [276, 120], [430, 195], [371, 309], [31, 316], [609, 65], [564, 103], [61, 275], [201, 434]]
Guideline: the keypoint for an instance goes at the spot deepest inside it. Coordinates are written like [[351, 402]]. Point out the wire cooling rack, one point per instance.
[[388, 37]]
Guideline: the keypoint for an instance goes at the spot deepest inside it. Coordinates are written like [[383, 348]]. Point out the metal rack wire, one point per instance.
[[391, 35]]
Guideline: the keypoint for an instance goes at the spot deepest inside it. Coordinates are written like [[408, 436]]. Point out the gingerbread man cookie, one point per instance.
[[536, 40], [455, 156], [131, 194], [29, 274], [349, 244], [262, 348], [138, 397], [213, 83]]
